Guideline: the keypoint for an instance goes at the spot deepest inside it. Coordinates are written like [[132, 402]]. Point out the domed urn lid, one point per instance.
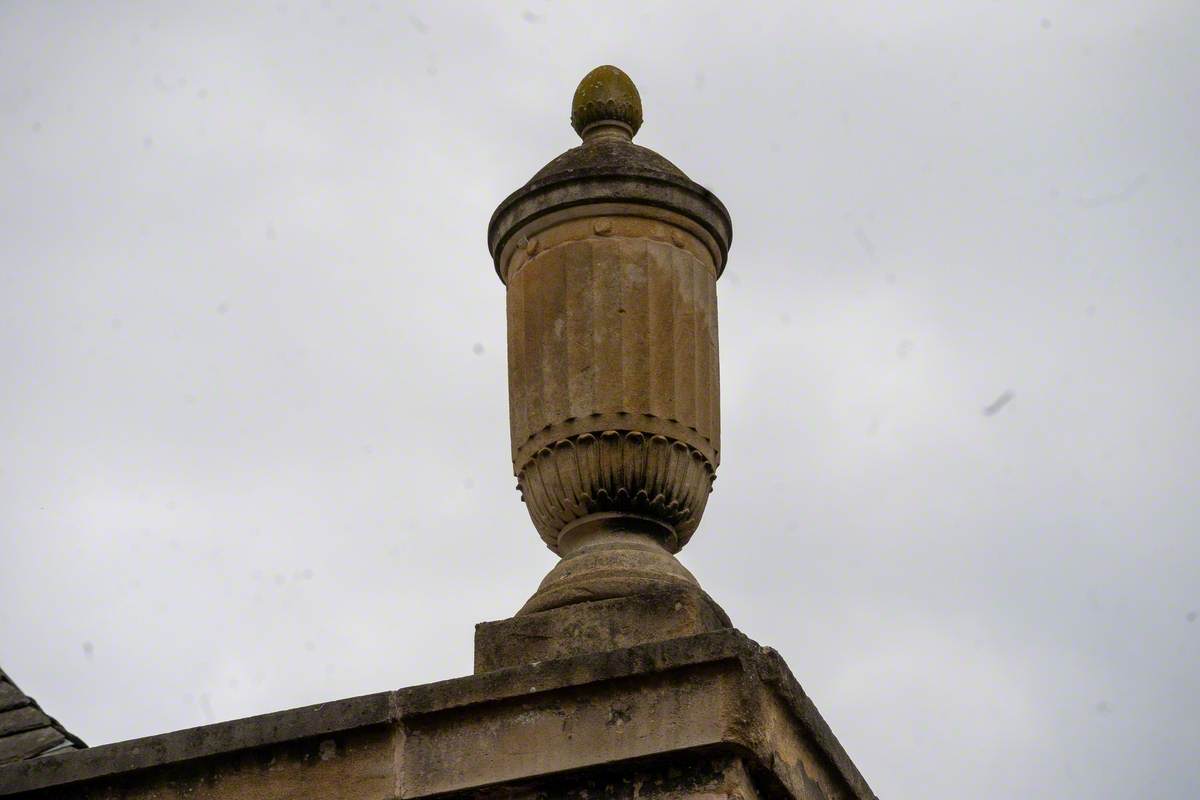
[[608, 167]]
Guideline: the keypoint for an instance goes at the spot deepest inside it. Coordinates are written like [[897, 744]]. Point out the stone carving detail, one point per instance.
[[623, 471], [606, 94], [614, 332]]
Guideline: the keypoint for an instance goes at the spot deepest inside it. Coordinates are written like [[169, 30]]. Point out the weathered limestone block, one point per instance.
[[611, 624]]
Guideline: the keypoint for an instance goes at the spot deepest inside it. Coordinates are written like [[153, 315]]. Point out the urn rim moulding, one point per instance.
[[630, 179], [691, 236]]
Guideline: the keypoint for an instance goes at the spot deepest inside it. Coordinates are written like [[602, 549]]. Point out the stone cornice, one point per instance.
[[415, 730]]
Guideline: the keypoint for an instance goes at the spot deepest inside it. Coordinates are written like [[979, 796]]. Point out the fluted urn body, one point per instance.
[[610, 256]]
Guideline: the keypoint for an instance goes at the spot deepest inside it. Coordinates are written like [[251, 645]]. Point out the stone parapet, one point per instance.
[[712, 715]]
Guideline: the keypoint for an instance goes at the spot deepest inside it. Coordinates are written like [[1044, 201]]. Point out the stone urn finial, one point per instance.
[[610, 256]]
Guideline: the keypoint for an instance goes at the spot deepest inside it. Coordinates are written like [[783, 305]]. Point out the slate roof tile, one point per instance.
[[25, 730]]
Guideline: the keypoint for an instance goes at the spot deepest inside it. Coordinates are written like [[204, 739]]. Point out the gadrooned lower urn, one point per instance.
[[610, 255]]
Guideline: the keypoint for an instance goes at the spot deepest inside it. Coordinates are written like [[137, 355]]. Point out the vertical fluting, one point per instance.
[[660, 329], [632, 314], [613, 333]]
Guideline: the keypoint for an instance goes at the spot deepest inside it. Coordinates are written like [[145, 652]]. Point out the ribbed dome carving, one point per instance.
[[627, 471]]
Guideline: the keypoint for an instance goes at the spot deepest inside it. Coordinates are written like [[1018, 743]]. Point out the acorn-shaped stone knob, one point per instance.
[[606, 97]]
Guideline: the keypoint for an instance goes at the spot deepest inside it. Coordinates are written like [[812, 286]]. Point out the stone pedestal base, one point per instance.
[[596, 626]]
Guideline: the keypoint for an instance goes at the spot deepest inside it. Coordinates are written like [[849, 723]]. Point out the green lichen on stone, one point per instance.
[[606, 94]]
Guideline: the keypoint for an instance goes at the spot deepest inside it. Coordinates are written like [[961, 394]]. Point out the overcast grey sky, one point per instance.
[[253, 428]]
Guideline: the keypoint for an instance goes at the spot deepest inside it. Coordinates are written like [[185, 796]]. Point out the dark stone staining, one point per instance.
[[695, 774], [607, 158]]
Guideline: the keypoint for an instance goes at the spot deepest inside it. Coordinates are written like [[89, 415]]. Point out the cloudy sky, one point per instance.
[[253, 428]]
